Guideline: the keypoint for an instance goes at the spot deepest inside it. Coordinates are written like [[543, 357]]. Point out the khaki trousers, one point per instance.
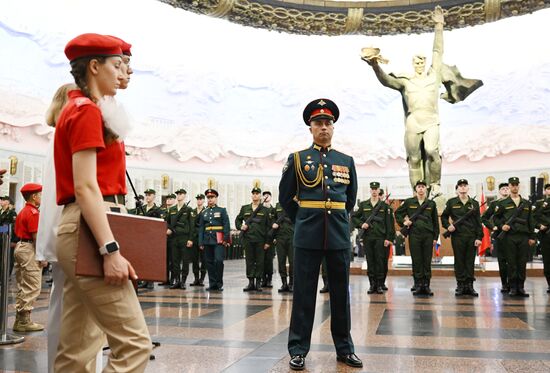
[[91, 306], [28, 275]]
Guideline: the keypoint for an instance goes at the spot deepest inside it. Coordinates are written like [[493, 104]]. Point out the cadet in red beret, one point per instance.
[[90, 168], [28, 272], [126, 69]]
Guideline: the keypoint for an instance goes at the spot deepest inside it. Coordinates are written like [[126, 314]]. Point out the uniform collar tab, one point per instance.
[[322, 149]]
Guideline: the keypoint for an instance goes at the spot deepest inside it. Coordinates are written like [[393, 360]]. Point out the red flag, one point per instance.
[[486, 241]]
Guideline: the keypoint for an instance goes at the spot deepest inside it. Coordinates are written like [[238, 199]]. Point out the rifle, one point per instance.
[[512, 219], [406, 230], [459, 221], [279, 221], [139, 204], [250, 218], [373, 215]]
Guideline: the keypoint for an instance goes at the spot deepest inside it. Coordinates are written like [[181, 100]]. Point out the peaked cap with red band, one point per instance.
[[31, 188], [92, 45], [211, 191], [322, 108]]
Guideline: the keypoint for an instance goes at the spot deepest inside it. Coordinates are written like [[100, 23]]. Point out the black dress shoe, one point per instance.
[[182, 286], [297, 362], [175, 285], [350, 360]]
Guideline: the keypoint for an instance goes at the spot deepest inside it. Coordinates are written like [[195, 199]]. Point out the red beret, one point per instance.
[[124, 46], [31, 188], [92, 45]]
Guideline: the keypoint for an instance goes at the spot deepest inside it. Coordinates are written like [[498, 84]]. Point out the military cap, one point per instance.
[[513, 180], [181, 191], [30, 188], [381, 192], [199, 196], [461, 182], [4, 198], [256, 190], [211, 191], [374, 185], [420, 182], [266, 192], [141, 197], [172, 195], [150, 191], [502, 185], [546, 186], [86, 45], [322, 108]]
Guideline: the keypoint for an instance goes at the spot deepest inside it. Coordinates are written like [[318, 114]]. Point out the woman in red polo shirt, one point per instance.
[[90, 172]]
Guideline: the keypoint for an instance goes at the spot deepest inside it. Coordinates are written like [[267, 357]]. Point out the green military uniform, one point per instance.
[[542, 218], [380, 229], [254, 239], [152, 212], [181, 221], [463, 239], [498, 248], [8, 216], [269, 253], [199, 263], [423, 232], [516, 240], [285, 250], [389, 248]]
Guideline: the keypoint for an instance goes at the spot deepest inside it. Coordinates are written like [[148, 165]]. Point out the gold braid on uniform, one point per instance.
[[308, 183]]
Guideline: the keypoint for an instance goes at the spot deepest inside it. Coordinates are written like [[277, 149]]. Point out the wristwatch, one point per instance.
[[109, 248]]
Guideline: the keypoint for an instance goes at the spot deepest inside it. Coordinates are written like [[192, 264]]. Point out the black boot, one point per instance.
[[513, 288], [415, 285], [427, 289], [250, 286], [521, 289], [291, 284], [175, 283], [263, 282], [459, 289], [284, 288], [196, 282], [505, 286], [201, 280], [269, 280], [258, 284], [418, 287], [325, 285], [372, 287], [378, 287], [471, 289]]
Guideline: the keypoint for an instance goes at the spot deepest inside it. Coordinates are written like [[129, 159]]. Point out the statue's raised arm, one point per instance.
[[437, 53]]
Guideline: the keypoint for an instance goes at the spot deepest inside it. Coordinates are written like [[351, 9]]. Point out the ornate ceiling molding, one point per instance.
[[317, 17]]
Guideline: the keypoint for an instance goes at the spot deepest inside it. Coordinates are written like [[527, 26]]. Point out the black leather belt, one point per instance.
[[116, 198], [26, 240]]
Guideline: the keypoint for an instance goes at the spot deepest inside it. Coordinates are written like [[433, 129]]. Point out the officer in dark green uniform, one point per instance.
[[542, 223], [270, 252], [170, 201], [7, 216], [151, 210], [378, 233], [254, 237], [324, 183], [498, 249], [283, 230], [214, 236], [520, 234], [465, 237], [199, 263], [181, 224], [422, 237]]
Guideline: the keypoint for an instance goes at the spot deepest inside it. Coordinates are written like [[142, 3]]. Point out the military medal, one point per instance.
[[306, 167]]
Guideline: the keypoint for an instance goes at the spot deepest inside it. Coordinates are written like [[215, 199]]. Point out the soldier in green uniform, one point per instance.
[[181, 225], [254, 237], [519, 235], [7, 216], [542, 223], [498, 249], [214, 236], [270, 252], [389, 247], [151, 210], [199, 263], [283, 229], [422, 237], [375, 218], [324, 183], [133, 211], [465, 238], [170, 201]]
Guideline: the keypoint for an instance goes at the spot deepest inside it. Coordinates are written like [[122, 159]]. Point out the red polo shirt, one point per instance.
[[26, 222], [80, 127]]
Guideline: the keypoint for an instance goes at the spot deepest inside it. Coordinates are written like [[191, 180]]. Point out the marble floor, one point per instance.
[[239, 332]]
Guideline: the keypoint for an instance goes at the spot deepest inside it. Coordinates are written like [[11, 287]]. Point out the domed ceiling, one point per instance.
[[374, 17]]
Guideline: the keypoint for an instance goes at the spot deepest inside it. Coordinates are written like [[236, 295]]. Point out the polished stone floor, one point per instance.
[[246, 332]]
